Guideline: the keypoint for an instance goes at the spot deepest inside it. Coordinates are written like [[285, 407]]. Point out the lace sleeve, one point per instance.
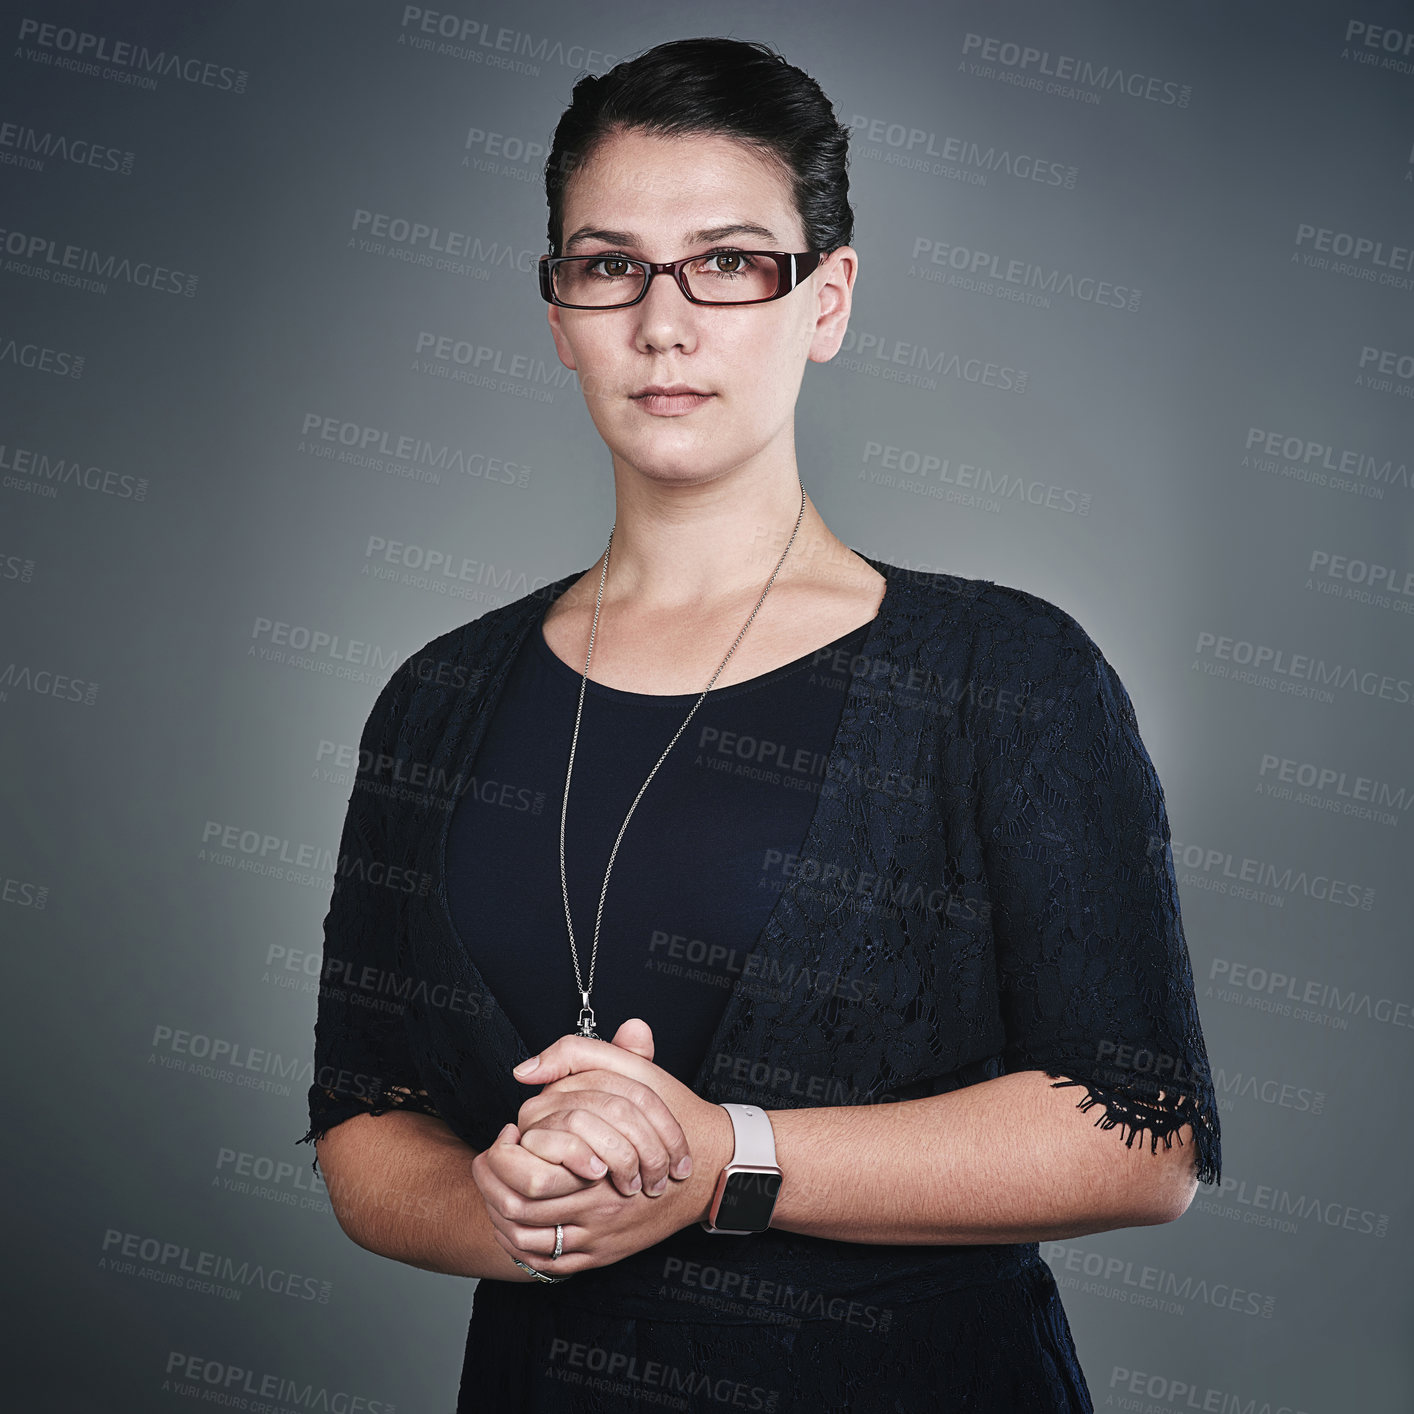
[[362, 1064], [1095, 977]]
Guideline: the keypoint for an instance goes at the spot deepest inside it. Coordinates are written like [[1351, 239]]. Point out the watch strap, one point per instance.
[[755, 1139]]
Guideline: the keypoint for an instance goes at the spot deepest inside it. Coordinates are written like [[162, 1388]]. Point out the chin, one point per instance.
[[680, 463]]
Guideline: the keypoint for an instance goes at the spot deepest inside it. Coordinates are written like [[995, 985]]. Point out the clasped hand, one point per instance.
[[602, 1150]]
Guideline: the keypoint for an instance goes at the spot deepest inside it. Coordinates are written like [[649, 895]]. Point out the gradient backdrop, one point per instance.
[[1134, 330]]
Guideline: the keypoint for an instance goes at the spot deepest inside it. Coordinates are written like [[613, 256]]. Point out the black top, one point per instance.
[[699, 867], [987, 872]]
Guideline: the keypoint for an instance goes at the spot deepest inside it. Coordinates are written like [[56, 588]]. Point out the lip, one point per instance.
[[670, 399], [669, 389]]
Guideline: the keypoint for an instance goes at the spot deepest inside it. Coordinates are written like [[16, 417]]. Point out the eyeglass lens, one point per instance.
[[721, 277]]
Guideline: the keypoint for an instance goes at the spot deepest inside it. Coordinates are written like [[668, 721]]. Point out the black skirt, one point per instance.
[[999, 1345]]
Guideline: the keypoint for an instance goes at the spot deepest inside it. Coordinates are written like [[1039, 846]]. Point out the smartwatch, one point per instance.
[[746, 1191]]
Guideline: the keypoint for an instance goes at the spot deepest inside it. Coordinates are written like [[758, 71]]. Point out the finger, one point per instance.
[[575, 1053], [512, 1177], [507, 1208], [540, 1243], [615, 1141], [669, 1132], [637, 1036], [617, 1129], [659, 1114], [565, 1147], [574, 1258]]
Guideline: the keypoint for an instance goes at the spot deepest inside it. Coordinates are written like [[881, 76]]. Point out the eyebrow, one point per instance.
[[712, 233]]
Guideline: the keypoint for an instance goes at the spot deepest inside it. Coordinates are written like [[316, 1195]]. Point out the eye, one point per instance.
[[728, 263], [618, 266]]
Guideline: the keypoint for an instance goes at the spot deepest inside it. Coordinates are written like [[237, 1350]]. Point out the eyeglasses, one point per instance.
[[615, 281]]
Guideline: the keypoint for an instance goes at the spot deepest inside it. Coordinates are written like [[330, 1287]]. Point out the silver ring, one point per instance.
[[559, 1248], [539, 1276]]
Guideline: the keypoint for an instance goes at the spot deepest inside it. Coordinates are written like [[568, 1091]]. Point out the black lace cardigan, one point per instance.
[[987, 873]]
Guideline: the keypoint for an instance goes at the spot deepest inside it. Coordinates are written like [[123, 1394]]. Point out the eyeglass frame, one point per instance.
[[802, 264]]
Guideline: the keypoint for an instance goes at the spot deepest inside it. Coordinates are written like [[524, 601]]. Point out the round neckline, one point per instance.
[[746, 685]]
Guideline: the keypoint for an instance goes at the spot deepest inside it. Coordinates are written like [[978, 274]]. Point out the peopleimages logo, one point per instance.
[[40, 358], [1320, 463], [221, 1382], [27, 147], [1169, 1290], [1339, 791], [39, 467], [1280, 663], [1269, 1205], [486, 366], [1035, 283], [1303, 998], [925, 151], [1267, 1090], [1386, 370], [902, 361], [88, 53], [1380, 46], [933, 474], [432, 239], [461, 37], [1364, 581], [44, 682], [1263, 880], [1133, 1386], [128, 1253], [401, 454], [1360, 257], [43, 257], [1030, 66]]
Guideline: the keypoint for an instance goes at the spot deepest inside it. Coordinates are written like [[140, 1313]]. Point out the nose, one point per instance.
[[671, 279], [665, 315]]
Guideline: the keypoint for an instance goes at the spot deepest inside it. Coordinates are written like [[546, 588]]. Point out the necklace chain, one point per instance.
[[585, 1025]]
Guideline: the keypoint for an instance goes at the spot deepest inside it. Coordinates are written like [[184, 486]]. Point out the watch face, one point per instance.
[[748, 1201]]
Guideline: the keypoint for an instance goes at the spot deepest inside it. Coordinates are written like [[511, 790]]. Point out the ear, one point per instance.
[[562, 344], [833, 300]]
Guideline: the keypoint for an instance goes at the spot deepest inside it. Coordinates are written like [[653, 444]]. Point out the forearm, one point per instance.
[[401, 1185], [1009, 1160]]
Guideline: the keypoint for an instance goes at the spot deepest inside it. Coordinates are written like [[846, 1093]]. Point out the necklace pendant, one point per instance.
[[586, 1023]]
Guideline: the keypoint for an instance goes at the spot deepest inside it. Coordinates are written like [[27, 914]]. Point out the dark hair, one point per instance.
[[721, 87]]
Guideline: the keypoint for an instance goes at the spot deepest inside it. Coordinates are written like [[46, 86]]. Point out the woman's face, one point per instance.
[[662, 198]]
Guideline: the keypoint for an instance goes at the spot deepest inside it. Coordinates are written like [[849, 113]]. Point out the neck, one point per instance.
[[692, 546]]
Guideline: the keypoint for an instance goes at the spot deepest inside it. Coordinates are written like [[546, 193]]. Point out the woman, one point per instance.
[[890, 871]]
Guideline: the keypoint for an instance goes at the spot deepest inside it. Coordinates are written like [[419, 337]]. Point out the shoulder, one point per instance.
[[1011, 625], [1032, 632], [1071, 691], [1021, 647]]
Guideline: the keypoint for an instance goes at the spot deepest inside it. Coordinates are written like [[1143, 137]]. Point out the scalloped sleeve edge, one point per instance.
[[329, 1109], [1138, 1116]]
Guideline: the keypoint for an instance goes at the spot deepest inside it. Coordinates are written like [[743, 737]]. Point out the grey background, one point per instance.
[[142, 708]]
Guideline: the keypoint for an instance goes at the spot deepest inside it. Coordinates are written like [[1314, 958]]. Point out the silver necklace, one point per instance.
[[585, 1025]]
